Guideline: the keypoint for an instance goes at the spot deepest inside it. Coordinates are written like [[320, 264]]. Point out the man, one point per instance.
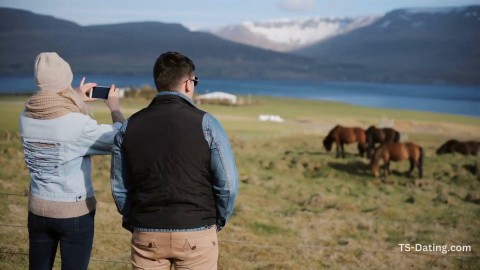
[[174, 177]]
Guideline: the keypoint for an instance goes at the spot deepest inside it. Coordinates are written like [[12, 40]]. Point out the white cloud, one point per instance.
[[296, 5]]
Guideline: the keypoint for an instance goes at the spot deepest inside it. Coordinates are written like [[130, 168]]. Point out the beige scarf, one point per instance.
[[48, 105]]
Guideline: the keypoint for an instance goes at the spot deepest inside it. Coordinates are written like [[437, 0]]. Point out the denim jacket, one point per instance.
[[57, 154], [224, 169]]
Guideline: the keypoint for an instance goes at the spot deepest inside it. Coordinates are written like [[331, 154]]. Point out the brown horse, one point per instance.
[[380, 135], [464, 148], [397, 152], [345, 135]]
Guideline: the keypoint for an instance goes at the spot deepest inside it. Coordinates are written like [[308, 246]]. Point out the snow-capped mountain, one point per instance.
[[291, 34], [416, 45]]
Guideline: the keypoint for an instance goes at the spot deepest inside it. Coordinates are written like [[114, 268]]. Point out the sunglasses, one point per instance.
[[195, 81]]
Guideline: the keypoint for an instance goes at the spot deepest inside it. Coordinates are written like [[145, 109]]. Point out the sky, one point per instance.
[[202, 14]]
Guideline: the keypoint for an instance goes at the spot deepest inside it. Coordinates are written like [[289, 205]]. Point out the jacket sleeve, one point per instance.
[[97, 139], [118, 179], [224, 169]]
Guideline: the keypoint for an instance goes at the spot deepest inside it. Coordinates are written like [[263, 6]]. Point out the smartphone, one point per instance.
[[100, 92]]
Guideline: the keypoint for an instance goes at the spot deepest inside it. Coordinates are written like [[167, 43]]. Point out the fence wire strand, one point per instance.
[[401, 255]]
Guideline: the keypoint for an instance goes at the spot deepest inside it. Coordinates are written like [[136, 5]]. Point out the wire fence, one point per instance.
[[327, 217]]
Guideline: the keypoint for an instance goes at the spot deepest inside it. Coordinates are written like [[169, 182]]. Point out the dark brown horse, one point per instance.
[[464, 148], [397, 152], [345, 135], [380, 136]]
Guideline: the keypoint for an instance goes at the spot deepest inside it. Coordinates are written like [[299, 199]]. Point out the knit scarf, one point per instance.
[[47, 105]]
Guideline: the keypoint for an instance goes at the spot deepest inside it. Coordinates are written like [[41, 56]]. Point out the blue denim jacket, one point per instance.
[[224, 169], [57, 154]]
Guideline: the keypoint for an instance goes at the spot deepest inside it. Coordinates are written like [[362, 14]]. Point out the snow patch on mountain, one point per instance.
[[306, 31], [291, 34]]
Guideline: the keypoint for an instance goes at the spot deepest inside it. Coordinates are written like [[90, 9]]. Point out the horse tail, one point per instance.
[[420, 162]]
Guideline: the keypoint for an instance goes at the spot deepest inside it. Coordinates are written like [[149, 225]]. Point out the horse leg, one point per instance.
[[361, 149], [368, 148], [412, 166], [386, 168], [371, 149], [342, 149], [420, 163], [420, 170], [337, 147]]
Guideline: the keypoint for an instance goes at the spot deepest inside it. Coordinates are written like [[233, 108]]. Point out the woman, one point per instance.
[[58, 139]]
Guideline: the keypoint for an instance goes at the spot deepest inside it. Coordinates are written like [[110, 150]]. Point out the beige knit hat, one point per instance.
[[52, 73]]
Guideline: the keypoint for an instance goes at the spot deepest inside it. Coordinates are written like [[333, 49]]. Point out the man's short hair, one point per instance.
[[170, 69]]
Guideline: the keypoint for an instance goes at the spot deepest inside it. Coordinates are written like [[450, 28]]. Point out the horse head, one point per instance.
[[375, 167], [447, 147], [327, 143], [375, 160], [370, 129]]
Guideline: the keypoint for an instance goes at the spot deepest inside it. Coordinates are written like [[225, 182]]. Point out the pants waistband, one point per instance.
[[206, 227]]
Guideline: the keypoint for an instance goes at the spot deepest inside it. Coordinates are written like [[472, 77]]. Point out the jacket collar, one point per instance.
[[170, 94]]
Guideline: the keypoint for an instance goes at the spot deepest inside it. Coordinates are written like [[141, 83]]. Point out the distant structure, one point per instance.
[[217, 98], [122, 91], [271, 118]]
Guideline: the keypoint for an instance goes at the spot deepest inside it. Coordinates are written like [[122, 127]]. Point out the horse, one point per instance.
[[397, 152], [345, 135], [464, 148], [380, 135]]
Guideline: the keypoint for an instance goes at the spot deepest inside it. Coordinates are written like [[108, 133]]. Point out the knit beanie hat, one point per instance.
[[52, 73]]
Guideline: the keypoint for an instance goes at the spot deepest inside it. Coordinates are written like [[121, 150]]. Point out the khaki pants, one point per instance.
[[196, 250]]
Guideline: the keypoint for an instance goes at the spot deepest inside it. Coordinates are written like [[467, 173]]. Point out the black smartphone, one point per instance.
[[100, 92]]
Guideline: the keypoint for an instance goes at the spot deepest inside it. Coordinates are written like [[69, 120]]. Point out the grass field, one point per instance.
[[298, 207]]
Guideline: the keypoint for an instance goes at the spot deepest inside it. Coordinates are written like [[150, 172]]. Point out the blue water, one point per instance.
[[462, 100]]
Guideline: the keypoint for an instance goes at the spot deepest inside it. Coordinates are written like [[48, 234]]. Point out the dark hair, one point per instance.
[[170, 68]]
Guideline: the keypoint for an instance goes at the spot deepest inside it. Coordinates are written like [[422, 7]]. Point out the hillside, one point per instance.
[[414, 45], [404, 46], [131, 48]]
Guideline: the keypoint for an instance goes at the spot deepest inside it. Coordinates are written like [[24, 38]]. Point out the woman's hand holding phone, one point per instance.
[[113, 101], [110, 95], [84, 89]]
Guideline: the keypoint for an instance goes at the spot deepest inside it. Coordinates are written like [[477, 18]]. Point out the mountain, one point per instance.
[[290, 34], [404, 46], [410, 45], [131, 48]]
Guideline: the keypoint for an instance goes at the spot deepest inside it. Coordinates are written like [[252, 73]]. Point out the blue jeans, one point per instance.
[[75, 236]]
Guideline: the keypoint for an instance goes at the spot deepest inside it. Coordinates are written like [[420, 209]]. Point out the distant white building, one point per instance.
[[218, 96], [271, 118], [122, 91]]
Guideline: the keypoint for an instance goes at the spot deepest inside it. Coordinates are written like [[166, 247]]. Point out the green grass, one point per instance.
[[298, 206]]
